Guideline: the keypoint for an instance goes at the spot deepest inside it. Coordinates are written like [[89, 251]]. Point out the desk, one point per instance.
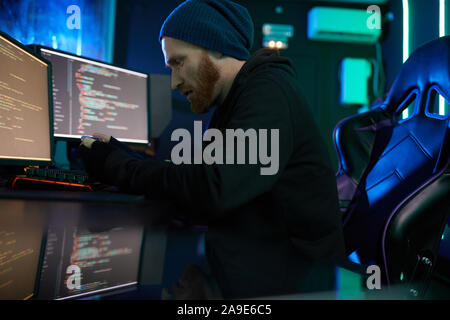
[[40, 234], [32, 223]]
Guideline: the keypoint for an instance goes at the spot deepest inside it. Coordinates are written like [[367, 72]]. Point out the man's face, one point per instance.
[[193, 73]]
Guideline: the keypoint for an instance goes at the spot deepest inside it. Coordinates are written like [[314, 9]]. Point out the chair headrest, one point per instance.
[[427, 66]]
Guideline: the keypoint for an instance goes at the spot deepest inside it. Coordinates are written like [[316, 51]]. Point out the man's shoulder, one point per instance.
[[272, 73], [271, 76], [272, 81]]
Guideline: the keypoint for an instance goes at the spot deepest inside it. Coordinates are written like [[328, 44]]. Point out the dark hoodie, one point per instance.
[[267, 234]]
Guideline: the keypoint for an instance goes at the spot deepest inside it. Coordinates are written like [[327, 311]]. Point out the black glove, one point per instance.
[[122, 146], [94, 159]]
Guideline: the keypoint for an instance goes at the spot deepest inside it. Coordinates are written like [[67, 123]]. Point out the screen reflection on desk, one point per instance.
[[80, 261], [21, 245], [59, 249]]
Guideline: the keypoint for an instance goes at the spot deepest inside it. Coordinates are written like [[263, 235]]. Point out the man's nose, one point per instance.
[[176, 81]]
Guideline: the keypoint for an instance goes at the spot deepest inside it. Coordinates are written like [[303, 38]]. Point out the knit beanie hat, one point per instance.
[[219, 25]]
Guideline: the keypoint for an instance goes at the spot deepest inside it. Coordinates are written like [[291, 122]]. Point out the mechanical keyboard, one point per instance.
[[54, 179]]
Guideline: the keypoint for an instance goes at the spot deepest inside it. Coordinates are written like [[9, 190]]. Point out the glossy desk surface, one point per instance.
[[44, 233], [139, 238]]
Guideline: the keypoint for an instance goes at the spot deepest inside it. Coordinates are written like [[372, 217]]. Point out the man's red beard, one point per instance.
[[208, 75]]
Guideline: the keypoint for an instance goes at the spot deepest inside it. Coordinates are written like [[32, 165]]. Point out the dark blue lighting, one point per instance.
[[50, 23]]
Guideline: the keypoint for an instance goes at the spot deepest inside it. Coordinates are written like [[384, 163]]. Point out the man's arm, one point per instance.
[[214, 188]]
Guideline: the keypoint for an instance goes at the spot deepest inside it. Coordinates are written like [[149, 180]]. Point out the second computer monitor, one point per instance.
[[90, 97]]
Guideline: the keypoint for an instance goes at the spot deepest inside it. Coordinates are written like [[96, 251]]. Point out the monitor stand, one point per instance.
[[61, 159]]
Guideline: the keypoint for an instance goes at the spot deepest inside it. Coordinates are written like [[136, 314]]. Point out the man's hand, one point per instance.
[[88, 141], [103, 137], [93, 151]]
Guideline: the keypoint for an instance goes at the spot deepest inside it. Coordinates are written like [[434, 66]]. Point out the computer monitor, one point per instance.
[[90, 96], [26, 133], [80, 262]]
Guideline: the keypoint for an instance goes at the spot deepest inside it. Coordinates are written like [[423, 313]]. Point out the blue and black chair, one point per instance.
[[393, 178]]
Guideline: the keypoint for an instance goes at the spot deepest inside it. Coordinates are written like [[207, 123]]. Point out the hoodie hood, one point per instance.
[[266, 58], [262, 63]]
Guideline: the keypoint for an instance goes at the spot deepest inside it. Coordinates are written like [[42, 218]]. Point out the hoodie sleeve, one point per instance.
[[214, 189]]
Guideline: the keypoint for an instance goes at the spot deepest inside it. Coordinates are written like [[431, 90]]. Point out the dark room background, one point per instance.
[[125, 32], [136, 45]]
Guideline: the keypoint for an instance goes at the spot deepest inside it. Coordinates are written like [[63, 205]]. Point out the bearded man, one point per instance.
[[267, 234]]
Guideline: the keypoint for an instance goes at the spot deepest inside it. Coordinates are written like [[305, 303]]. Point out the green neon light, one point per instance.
[[354, 75], [441, 18], [405, 40], [441, 34], [405, 30]]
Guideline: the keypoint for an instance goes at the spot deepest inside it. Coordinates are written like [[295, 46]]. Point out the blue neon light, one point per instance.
[[45, 22], [354, 257]]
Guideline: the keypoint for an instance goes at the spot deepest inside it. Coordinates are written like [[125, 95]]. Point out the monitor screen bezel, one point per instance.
[[31, 162], [37, 50], [40, 263]]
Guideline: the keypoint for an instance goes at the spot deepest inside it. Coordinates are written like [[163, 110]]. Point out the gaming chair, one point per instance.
[[393, 179]]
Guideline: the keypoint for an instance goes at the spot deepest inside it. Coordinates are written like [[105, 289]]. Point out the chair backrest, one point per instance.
[[385, 160], [412, 236]]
